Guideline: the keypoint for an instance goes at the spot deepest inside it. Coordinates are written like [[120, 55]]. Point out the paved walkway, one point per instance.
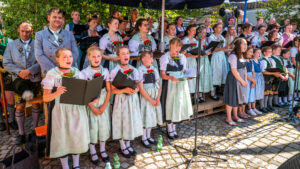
[[261, 142]]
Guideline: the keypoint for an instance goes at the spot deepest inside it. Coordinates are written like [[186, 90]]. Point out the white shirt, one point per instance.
[[26, 47], [263, 64], [56, 34]]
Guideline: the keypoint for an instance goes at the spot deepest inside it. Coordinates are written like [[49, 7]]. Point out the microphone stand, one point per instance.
[[195, 151]]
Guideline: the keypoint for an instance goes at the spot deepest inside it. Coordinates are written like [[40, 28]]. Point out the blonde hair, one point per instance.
[[120, 48], [56, 54], [73, 12], [176, 41], [93, 48]]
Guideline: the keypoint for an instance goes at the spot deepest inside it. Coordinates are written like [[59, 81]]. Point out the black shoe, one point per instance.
[[95, 162], [175, 135], [20, 139], [271, 108], [151, 141], [13, 125], [105, 159], [132, 153], [2, 126], [125, 155], [201, 100], [215, 97], [146, 145], [267, 108], [264, 110], [77, 167], [170, 137]]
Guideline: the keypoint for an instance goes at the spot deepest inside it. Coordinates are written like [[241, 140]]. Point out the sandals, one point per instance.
[[105, 159], [244, 115], [239, 120], [232, 123]]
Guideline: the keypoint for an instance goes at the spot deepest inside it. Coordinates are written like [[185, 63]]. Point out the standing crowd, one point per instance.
[[250, 64]]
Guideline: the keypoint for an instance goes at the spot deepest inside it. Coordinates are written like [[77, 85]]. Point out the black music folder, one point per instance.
[[184, 47], [78, 29], [121, 81], [213, 45], [275, 70], [267, 43], [81, 92]]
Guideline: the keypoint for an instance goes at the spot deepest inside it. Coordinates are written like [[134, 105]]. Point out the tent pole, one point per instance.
[[162, 47], [245, 12]]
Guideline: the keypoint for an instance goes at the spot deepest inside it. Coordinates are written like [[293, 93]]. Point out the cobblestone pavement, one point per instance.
[[261, 142]]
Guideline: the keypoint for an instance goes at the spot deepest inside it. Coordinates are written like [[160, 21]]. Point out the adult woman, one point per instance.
[[132, 22], [179, 27], [110, 42], [142, 41], [218, 59], [231, 35], [89, 38], [287, 35], [236, 82], [259, 39]]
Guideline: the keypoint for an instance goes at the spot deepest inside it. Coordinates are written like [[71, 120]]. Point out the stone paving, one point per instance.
[[262, 142]]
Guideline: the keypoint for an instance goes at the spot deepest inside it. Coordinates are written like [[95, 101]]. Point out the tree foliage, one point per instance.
[[281, 9], [35, 11]]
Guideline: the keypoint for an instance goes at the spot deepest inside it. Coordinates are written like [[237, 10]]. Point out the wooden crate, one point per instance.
[[210, 107]]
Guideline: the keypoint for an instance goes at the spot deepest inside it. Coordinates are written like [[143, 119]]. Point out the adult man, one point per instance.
[[19, 60], [49, 40]]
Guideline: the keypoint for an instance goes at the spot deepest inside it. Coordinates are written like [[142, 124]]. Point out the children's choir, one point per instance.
[[248, 73]]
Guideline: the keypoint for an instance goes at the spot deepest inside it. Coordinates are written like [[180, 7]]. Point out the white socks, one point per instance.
[[174, 128], [75, 160], [128, 145], [64, 163], [93, 151], [149, 132], [102, 149], [170, 129], [123, 147], [144, 137]]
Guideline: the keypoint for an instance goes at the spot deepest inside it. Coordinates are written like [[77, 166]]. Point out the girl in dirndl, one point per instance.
[[70, 130], [171, 33], [236, 82], [259, 78], [141, 41], [126, 116], [176, 100], [218, 59], [150, 97], [109, 44], [191, 62], [206, 82], [251, 98], [98, 110]]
